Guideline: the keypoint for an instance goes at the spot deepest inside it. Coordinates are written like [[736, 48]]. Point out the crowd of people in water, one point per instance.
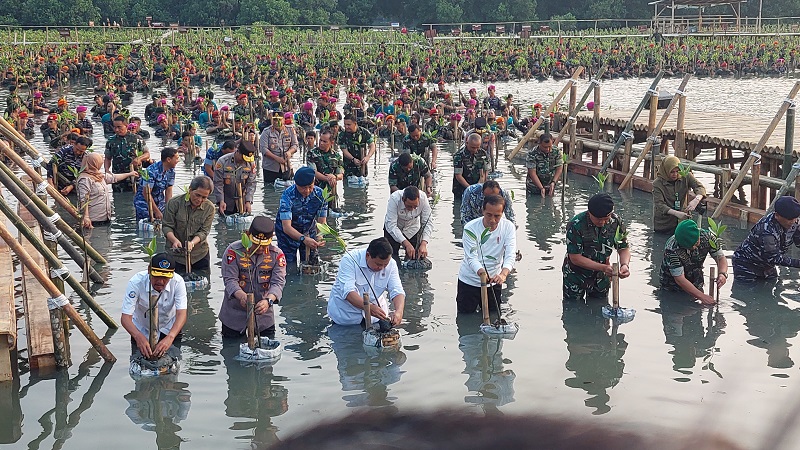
[[286, 102]]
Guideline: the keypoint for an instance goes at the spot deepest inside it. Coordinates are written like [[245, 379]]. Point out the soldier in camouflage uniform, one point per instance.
[[357, 145], [326, 161], [470, 165], [766, 245], [544, 165], [242, 108], [590, 243], [684, 254], [417, 144], [124, 150], [409, 170]]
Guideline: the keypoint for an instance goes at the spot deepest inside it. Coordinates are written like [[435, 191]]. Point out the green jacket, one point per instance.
[[666, 194]]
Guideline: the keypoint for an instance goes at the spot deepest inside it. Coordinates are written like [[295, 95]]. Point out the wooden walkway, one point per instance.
[[709, 129]]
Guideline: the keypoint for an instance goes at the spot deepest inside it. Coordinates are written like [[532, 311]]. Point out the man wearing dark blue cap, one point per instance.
[[161, 281], [766, 245], [301, 207]]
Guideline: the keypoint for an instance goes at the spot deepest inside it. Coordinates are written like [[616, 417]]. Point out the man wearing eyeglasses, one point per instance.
[[277, 144], [544, 165], [591, 239]]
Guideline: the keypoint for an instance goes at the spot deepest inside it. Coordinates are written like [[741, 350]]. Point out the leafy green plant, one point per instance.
[[150, 248], [716, 230], [619, 236], [601, 179], [684, 170]]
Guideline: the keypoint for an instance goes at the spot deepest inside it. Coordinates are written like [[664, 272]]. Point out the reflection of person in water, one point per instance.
[[368, 374], [159, 404], [769, 319], [544, 223], [595, 357], [252, 395], [685, 331], [489, 384]]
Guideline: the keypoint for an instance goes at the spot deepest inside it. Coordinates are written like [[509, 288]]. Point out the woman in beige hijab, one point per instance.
[[94, 193], [671, 195]]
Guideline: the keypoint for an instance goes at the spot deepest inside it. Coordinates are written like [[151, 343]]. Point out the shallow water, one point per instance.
[[728, 369]]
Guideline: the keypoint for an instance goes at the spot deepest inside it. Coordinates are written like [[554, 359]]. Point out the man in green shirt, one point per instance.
[[187, 222]]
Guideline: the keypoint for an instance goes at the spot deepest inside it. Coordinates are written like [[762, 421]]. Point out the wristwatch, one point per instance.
[[302, 238]]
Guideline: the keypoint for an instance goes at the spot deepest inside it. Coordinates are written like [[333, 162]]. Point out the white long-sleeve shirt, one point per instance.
[[499, 251], [403, 224], [351, 278]]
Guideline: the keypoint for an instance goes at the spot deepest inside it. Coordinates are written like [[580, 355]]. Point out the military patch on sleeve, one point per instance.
[[230, 256], [282, 260], [218, 166], [132, 294]]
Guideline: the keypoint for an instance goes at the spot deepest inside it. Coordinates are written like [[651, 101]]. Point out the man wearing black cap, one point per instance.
[[301, 207], [235, 180], [259, 270], [161, 281], [766, 245], [278, 143], [591, 239]]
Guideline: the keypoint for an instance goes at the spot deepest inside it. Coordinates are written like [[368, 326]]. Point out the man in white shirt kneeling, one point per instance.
[[408, 223]]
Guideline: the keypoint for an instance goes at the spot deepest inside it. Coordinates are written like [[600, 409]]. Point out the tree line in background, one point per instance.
[[339, 12]]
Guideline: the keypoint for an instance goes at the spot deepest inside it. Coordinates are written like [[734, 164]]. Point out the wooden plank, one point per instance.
[[37, 315]]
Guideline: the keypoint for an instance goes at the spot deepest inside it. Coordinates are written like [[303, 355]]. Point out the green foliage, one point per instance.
[[684, 170], [619, 236], [601, 179], [246, 242], [564, 22], [151, 248], [327, 232], [716, 230]]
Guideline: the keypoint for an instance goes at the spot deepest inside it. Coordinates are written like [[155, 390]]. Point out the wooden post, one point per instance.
[[654, 135], [797, 187], [615, 286], [596, 111], [251, 322], [626, 160], [8, 317], [755, 154], [653, 113], [60, 335], [531, 133], [712, 281], [367, 313], [680, 132], [755, 187], [60, 223], [726, 178], [41, 344], [571, 122], [788, 146], [484, 298]]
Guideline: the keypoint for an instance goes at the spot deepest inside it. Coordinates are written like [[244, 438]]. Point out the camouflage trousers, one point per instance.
[[695, 276], [578, 286], [747, 272]]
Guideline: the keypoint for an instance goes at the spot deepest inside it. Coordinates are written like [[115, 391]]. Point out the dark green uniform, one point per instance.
[[419, 148], [402, 179], [355, 143], [469, 166], [597, 244], [687, 262], [328, 163], [243, 111], [545, 164], [122, 149]]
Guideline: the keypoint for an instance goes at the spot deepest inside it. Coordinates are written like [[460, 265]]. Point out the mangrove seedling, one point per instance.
[[684, 170], [150, 248], [716, 230], [601, 179]]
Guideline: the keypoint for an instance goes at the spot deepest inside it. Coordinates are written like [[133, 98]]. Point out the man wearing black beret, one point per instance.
[[766, 245]]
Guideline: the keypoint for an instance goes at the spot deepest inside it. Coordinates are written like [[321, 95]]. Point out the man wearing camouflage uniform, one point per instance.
[[766, 245], [684, 254], [590, 243], [124, 150], [326, 162], [409, 170], [417, 144], [469, 165], [544, 165], [357, 145]]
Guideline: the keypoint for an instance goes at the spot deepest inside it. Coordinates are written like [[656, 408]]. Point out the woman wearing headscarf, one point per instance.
[[671, 195], [94, 195]]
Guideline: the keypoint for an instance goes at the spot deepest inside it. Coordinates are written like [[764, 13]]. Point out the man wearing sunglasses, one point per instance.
[[591, 239], [544, 165]]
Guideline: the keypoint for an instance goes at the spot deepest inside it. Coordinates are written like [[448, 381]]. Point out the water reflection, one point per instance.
[[367, 374], [769, 318], [419, 299], [545, 223], [158, 404], [595, 356], [304, 314], [10, 412], [253, 394], [490, 384], [692, 331]]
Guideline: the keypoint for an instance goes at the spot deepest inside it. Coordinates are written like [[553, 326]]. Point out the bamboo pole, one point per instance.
[[153, 332], [615, 286], [755, 187], [550, 108], [42, 206], [574, 107], [788, 146], [680, 132], [54, 262], [484, 298], [712, 281], [755, 154], [785, 188], [37, 272], [626, 133], [654, 134], [47, 225], [596, 108], [60, 344], [251, 322], [367, 313], [60, 199]]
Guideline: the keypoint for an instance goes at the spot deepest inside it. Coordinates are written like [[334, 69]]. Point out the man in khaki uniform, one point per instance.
[[231, 171]]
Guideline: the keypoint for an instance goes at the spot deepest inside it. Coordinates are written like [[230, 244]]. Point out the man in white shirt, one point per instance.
[[408, 223], [159, 280], [373, 271], [495, 256]]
